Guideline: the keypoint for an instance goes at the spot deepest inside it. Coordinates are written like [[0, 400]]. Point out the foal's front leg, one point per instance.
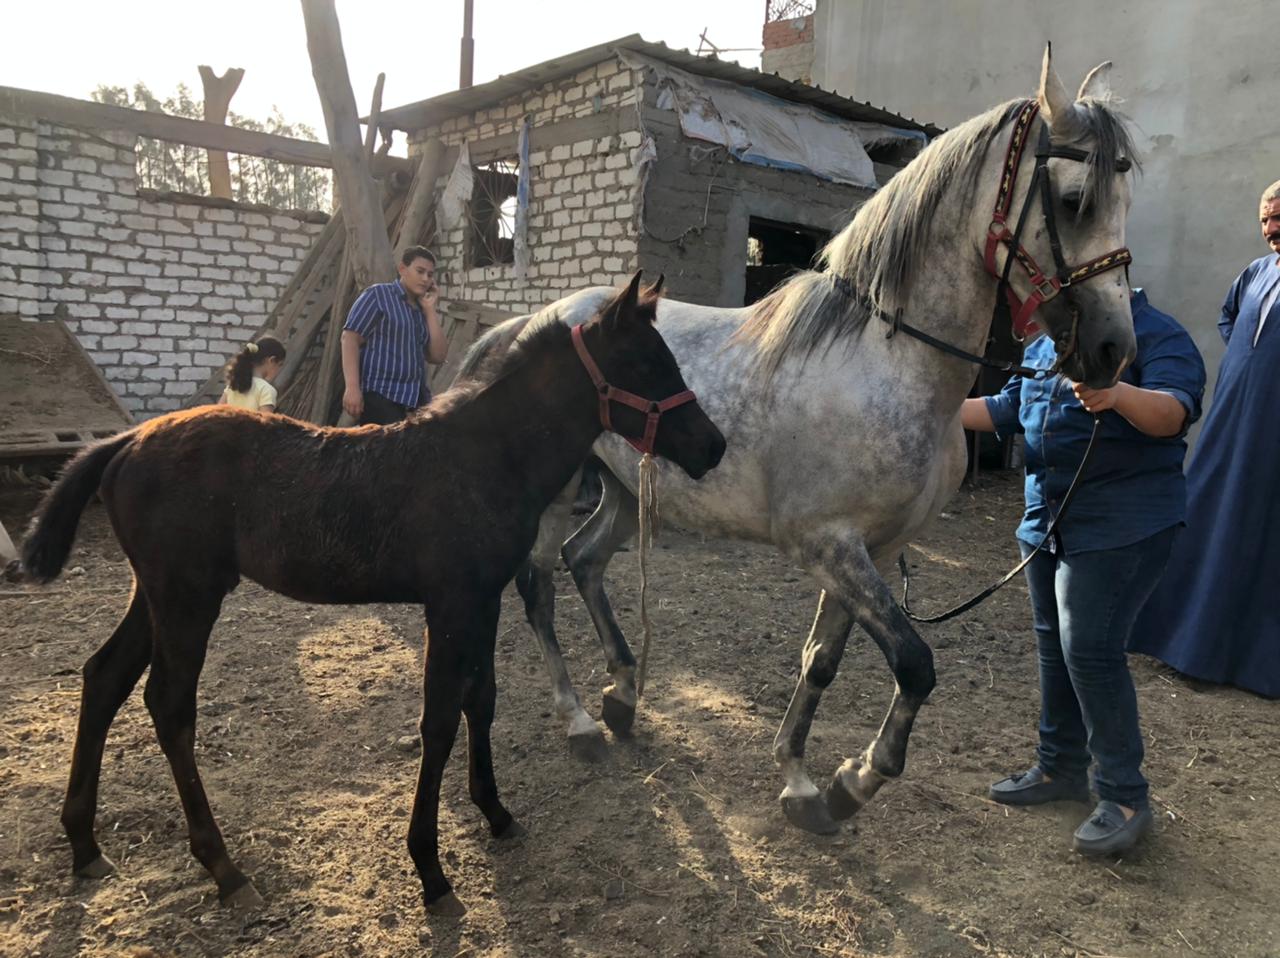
[[458, 674], [842, 566]]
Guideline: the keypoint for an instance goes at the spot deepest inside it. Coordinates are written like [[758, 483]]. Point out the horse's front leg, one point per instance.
[[536, 584], [842, 566], [802, 803], [587, 554]]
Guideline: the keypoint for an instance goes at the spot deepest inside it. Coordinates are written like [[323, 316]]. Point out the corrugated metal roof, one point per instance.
[[415, 116]]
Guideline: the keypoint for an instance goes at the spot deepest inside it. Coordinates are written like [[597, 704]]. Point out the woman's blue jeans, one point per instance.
[[1084, 606]]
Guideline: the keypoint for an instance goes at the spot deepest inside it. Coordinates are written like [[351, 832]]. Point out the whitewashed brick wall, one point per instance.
[[160, 288], [582, 202]]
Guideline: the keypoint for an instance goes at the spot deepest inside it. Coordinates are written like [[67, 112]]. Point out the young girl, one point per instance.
[[249, 375]]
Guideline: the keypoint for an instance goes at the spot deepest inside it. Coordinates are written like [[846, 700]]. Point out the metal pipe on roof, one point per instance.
[[468, 56]]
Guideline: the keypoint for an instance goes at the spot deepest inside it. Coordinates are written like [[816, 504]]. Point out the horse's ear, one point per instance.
[[1097, 85], [654, 291], [1056, 105]]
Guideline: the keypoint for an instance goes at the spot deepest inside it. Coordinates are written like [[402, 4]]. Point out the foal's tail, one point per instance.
[[49, 539]]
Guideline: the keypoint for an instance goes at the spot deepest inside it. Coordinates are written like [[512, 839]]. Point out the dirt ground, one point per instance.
[[675, 845]]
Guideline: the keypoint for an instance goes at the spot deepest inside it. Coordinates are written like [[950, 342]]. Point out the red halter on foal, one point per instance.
[[608, 394], [1045, 287]]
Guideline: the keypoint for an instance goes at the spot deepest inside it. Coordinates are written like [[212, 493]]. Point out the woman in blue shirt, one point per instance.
[[1093, 576]]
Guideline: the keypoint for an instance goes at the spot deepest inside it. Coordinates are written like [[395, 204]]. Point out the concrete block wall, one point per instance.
[[583, 192], [789, 49], [160, 288], [704, 257]]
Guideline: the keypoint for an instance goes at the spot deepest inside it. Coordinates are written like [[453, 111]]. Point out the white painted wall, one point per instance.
[[1201, 81]]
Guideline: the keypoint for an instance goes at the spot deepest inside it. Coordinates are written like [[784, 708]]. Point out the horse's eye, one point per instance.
[[1072, 203]]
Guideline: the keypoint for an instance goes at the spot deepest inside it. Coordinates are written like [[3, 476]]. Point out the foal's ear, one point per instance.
[[654, 291], [1056, 105], [623, 309]]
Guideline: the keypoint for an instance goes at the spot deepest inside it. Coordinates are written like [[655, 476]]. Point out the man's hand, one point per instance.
[[429, 299], [353, 402], [1098, 400]]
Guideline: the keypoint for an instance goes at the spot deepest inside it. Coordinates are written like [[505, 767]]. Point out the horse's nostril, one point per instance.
[[1112, 355]]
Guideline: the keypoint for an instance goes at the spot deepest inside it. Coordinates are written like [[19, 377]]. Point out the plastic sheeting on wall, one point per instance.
[[767, 131], [457, 191], [520, 237]]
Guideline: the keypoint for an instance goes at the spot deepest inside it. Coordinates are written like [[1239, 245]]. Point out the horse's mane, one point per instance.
[[890, 235]]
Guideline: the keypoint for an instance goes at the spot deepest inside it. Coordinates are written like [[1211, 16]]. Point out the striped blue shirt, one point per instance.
[[393, 357]]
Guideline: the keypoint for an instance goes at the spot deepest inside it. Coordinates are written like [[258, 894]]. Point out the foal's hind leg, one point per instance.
[[109, 677], [841, 564], [587, 554], [536, 584], [478, 702], [182, 627]]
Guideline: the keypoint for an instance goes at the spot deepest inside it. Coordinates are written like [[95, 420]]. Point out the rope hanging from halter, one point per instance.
[[648, 496]]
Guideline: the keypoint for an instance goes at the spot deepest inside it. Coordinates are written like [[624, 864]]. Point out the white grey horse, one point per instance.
[[843, 441]]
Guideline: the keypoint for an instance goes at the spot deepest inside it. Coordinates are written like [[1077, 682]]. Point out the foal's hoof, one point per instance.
[[446, 906], [839, 802], [244, 898], [589, 746], [100, 867], [513, 830], [809, 813], [618, 715]]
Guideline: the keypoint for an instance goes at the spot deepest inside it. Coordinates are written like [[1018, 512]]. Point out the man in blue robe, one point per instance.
[[1216, 615]]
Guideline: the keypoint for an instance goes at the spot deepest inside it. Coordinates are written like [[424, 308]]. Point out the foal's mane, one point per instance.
[[890, 235]]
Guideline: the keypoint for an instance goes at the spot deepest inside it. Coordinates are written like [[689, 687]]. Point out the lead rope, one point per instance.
[[648, 496]]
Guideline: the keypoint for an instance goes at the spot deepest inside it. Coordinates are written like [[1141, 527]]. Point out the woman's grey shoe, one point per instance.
[[1032, 788], [1106, 832]]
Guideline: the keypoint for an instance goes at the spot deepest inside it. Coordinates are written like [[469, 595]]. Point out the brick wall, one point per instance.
[[788, 49], [160, 288], [582, 200]]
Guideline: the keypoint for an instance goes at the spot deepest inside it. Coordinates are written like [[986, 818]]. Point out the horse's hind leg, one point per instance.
[[536, 584], [844, 568], [587, 554], [182, 628], [109, 677], [802, 803]]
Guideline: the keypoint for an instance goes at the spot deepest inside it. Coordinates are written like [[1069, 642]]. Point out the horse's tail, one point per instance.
[[493, 345], [49, 539]]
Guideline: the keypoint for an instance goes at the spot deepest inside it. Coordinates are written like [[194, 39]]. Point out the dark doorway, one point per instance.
[[775, 251]]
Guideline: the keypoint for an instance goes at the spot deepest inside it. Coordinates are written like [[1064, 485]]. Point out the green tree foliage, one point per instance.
[[185, 169]]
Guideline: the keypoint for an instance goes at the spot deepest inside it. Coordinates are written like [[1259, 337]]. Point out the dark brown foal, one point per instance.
[[440, 510]]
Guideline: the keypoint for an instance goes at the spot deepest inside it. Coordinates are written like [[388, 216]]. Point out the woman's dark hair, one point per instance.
[[239, 372], [417, 252]]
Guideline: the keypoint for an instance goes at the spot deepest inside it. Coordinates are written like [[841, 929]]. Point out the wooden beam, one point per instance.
[[80, 114], [218, 91], [367, 242], [375, 111], [422, 199]]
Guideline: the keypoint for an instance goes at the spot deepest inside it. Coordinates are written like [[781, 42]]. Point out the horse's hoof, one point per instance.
[[100, 867], [809, 813], [244, 898], [446, 906], [589, 747], [513, 830], [839, 802], [618, 715]]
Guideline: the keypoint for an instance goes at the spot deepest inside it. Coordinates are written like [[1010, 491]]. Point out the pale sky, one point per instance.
[[70, 47]]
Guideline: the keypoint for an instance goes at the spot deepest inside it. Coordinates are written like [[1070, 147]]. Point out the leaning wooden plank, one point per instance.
[[8, 552], [330, 357], [421, 197]]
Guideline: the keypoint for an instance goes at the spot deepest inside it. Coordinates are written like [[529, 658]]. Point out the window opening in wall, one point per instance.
[[775, 251], [492, 213]]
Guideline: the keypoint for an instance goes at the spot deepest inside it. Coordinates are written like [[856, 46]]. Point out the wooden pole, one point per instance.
[[367, 241], [218, 91]]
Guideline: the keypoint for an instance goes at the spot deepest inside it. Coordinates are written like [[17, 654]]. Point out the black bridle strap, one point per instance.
[[970, 602]]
